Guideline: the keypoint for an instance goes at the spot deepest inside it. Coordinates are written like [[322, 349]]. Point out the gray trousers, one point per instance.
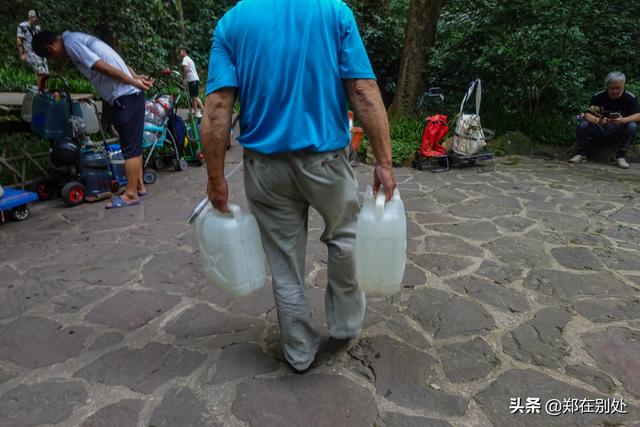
[[280, 189]]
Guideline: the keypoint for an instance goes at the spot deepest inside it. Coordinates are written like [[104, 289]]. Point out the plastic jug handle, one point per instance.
[[380, 199], [236, 212]]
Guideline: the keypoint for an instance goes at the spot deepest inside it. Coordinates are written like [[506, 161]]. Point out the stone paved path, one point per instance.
[[522, 283]]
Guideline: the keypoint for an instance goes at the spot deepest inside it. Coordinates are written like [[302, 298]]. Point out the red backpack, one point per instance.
[[435, 129]]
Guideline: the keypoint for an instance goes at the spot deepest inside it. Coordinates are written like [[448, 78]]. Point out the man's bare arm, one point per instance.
[[216, 123], [117, 74], [369, 109]]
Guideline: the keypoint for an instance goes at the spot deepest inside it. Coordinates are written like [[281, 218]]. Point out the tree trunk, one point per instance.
[[420, 35], [181, 21]]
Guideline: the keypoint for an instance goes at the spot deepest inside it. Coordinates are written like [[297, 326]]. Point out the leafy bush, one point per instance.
[[18, 79], [405, 140]]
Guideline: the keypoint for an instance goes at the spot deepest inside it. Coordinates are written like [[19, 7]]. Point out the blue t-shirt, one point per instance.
[[287, 59]]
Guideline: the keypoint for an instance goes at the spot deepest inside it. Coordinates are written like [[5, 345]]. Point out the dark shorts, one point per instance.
[[193, 88], [128, 119]]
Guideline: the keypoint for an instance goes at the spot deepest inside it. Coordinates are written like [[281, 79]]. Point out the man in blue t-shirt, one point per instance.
[[290, 62], [119, 86]]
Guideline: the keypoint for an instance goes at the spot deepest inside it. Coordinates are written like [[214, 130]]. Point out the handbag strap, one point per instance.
[[477, 85]]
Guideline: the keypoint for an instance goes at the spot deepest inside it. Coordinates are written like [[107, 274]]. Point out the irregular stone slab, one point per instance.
[[130, 310], [10, 277], [540, 341], [142, 370], [203, 321], [451, 245], [495, 401], [485, 208], [243, 360], [503, 298], [403, 375], [399, 325], [518, 252], [591, 376], [176, 271], [423, 203], [106, 340], [445, 315], [501, 274], [616, 349], [433, 218], [414, 230], [257, 303], [480, 231], [413, 276], [23, 251], [569, 287], [34, 342], [586, 239], [93, 263], [448, 196], [276, 402], [6, 375], [627, 214], [398, 420], [124, 413], [576, 258], [513, 224], [181, 407], [601, 311], [442, 265], [468, 361], [77, 299], [25, 294], [619, 259], [559, 222], [46, 403]]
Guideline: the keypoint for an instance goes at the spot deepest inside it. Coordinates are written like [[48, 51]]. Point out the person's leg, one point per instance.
[[142, 189], [625, 139], [330, 185], [282, 216], [129, 123]]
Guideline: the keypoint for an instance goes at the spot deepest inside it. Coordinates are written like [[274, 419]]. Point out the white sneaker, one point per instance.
[[622, 163], [578, 158]]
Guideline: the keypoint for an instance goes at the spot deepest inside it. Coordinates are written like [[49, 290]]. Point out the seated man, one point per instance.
[[612, 117]]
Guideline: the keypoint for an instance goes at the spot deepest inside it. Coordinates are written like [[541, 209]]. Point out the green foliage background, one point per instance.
[[539, 60]]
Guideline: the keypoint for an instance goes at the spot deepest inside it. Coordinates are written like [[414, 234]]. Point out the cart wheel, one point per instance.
[[115, 186], [414, 164], [181, 165], [73, 193], [149, 177], [43, 188], [157, 163], [200, 158], [419, 164], [20, 213]]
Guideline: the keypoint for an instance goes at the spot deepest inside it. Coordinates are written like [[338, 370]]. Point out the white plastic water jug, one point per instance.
[[381, 244], [231, 249]]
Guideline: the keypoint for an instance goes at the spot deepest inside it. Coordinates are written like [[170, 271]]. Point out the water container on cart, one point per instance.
[[94, 167], [381, 244], [231, 249]]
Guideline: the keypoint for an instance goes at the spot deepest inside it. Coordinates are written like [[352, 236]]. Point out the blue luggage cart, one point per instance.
[[14, 204]]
